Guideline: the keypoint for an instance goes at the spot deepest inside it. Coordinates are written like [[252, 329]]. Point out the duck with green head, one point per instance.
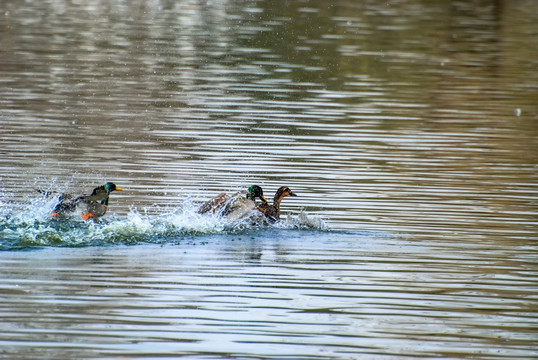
[[92, 206], [272, 212], [234, 206]]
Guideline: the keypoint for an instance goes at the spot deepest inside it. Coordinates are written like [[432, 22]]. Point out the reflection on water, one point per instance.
[[407, 127], [379, 123]]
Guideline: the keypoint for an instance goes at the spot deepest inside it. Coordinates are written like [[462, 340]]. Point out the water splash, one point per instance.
[[27, 226]]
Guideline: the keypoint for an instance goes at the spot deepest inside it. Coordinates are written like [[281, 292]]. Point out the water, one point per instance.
[[271, 294], [407, 128]]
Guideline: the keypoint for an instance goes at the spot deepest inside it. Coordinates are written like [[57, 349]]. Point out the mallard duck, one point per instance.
[[234, 206], [100, 193], [93, 205], [272, 212]]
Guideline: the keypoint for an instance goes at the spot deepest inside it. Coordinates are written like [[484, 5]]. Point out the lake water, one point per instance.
[[408, 129]]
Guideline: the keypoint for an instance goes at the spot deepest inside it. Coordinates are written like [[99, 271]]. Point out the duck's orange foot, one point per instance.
[[87, 216], [54, 214]]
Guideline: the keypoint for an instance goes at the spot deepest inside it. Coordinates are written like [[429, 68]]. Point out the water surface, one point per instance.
[[407, 128]]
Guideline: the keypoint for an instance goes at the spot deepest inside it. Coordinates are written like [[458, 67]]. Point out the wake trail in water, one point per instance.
[[30, 225]]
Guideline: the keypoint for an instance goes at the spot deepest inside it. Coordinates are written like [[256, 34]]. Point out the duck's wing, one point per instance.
[[235, 200], [99, 194], [48, 193], [270, 212], [238, 208], [52, 193], [214, 204], [64, 207], [66, 204]]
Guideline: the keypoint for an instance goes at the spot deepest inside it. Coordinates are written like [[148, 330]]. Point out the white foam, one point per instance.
[[30, 224]]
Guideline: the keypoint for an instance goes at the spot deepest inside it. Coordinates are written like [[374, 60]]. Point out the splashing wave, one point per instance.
[[30, 226]]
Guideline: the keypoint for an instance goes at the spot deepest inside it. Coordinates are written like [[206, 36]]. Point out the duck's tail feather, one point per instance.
[[47, 193]]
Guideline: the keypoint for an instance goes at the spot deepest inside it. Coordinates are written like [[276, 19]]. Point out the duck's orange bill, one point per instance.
[[87, 216], [118, 188], [263, 198]]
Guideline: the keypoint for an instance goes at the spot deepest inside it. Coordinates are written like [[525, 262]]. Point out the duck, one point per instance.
[[100, 194], [92, 206], [272, 212], [234, 206]]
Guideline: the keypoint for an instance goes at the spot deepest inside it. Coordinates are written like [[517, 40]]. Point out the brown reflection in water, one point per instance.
[[356, 103]]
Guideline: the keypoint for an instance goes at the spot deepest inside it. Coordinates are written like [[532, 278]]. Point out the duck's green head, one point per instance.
[[255, 191], [112, 187]]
